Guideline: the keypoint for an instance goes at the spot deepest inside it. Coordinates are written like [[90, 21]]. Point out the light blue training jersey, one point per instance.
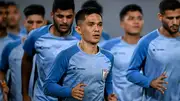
[[74, 66], [46, 46], [122, 51], [157, 54], [12, 57], [3, 42]]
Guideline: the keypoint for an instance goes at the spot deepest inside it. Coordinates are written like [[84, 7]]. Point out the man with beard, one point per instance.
[[13, 18], [46, 42], [13, 52], [158, 52]]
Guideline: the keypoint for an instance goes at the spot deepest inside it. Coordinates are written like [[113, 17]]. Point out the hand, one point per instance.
[[26, 98], [112, 97], [78, 91], [5, 90], [5, 97], [158, 83]]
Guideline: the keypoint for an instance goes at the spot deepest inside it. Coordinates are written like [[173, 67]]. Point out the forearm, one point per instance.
[[54, 89], [2, 75], [2, 79], [25, 74], [139, 79]]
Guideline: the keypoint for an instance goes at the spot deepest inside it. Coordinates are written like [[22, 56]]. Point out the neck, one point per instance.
[[14, 29], [54, 31], [163, 31], [88, 47], [131, 39], [3, 33]]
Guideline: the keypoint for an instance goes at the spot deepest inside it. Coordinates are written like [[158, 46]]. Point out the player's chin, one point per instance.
[[136, 32], [95, 41], [64, 30]]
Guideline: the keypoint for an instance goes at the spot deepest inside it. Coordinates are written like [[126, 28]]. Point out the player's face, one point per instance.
[[63, 20], [91, 28], [3, 17], [33, 22], [132, 22], [171, 20], [13, 16]]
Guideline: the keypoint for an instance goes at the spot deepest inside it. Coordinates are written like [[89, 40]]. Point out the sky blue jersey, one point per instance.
[[157, 54], [73, 66], [122, 51], [3, 42], [12, 57], [46, 46]]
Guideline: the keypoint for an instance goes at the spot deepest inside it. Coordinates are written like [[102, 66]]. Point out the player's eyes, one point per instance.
[[30, 22]]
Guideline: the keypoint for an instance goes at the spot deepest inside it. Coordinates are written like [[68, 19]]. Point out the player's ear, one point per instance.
[[52, 14], [78, 29], [121, 24], [160, 16]]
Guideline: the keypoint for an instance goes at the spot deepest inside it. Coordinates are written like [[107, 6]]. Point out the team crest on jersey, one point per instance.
[[105, 73]]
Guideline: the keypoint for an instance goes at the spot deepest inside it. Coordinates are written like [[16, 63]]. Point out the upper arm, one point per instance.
[[136, 64], [29, 44], [27, 58], [138, 58], [58, 68], [4, 64]]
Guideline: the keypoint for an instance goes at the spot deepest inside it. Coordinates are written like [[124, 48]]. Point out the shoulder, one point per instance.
[[10, 46], [36, 33], [69, 52], [107, 54], [149, 37], [110, 43]]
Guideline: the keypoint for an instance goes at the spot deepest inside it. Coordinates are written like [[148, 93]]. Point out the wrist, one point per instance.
[[3, 83]]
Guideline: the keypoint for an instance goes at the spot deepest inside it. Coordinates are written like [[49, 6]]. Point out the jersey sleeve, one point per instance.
[[138, 61], [51, 86], [4, 64], [30, 43], [109, 86]]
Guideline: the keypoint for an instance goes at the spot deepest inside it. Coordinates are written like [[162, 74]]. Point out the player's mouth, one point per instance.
[[96, 36]]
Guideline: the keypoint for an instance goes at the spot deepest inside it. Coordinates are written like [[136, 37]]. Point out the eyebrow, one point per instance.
[[94, 22]]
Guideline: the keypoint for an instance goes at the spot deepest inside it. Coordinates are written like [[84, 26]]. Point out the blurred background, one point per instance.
[[111, 9]]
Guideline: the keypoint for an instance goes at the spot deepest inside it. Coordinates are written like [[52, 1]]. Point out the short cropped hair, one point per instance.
[[130, 7], [63, 5], [168, 5], [92, 3], [11, 3], [80, 16], [3, 4], [34, 9]]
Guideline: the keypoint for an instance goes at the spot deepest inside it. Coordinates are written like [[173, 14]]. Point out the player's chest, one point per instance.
[[90, 68], [15, 57], [50, 48], [122, 56], [165, 51]]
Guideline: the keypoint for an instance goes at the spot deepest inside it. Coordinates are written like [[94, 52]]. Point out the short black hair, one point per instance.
[[63, 5], [168, 5], [11, 3], [34, 9], [84, 12], [130, 7], [92, 3], [3, 4]]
